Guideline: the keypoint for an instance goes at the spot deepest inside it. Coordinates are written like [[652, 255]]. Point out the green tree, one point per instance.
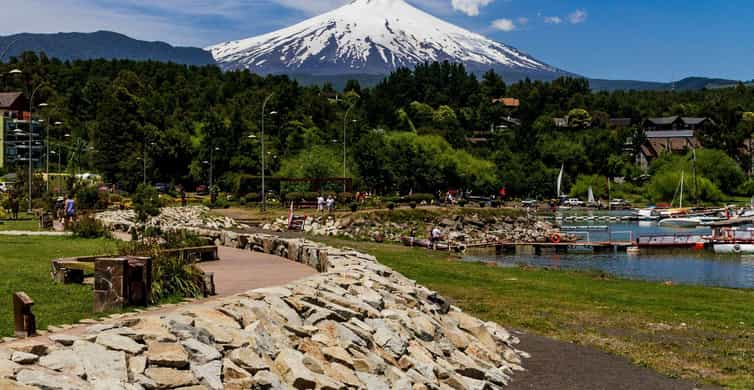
[[579, 118], [146, 202]]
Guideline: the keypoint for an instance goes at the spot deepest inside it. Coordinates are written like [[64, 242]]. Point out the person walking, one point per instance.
[[330, 204], [70, 209], [434, 237], [14, 206], [320, 204]]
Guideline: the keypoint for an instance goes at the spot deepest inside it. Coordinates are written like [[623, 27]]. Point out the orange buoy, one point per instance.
[[699, 246], [555, 238]]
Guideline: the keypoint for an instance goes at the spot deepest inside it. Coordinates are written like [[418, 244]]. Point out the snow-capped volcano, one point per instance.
[[372, 37]]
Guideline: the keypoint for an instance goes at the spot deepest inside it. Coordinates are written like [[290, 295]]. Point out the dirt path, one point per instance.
[[565, 366]]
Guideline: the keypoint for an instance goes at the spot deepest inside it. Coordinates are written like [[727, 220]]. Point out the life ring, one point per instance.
[[736, 248], [555, 238]]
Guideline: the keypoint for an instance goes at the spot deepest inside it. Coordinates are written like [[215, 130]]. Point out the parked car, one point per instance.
[[162, 187], [619, 204], [529, 203], [573, 202]]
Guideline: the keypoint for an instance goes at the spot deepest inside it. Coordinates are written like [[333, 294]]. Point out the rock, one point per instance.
[[209, 374], [47, 379], [200, 352], [167, 355], [137, 365], [31, 346], [24, 358], [292, 370], [120, 343], [249, 360], [170, 378], [339, 355], [266, 380], [373, 382], [235, 375], [343, 374], [7, 384], [99, 363], [8, 369], [65, 361], [63, 339]]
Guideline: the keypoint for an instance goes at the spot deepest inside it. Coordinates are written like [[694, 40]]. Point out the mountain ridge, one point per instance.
[[101, 44]]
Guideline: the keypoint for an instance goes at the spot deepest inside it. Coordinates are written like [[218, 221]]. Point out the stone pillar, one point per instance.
[[138, 281], [24, 320], [109, 284]]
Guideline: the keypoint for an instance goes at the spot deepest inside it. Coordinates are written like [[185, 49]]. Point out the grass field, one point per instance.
[[25, 266], [698, 333], [25, 222]]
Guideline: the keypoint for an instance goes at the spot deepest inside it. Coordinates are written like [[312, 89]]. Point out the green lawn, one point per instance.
[[699, 333], [25, 266], [25, 222]]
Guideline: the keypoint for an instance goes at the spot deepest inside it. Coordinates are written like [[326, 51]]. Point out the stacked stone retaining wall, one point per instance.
[[357, 324]]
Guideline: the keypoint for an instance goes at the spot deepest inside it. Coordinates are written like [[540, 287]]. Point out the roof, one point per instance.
[[508, 102], [665, 120], [693, 120], [670, 134], [8, 98], [620, 122]]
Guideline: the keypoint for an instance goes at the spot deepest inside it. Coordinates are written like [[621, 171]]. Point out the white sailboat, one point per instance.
[[679, 221], [560, 180], [590, 196]]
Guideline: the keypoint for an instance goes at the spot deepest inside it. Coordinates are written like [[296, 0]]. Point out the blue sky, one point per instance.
[[640, 39]]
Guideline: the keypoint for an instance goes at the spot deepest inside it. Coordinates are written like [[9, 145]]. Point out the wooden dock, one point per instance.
[[540, 248]]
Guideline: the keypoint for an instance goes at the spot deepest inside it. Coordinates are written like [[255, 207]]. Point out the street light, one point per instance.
[[211, 165], [345, 124], [47, 150], [264, 107]]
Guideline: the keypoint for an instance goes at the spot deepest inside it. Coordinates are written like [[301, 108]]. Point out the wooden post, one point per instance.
[[25, 322], [109, 284]]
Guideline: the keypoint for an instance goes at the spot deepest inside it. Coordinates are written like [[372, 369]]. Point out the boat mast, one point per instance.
[[681, 204]]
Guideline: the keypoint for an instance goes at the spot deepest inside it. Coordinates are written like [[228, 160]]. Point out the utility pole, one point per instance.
[[345, 124]]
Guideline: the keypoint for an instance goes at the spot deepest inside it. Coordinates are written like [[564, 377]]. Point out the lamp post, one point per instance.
[[144, 160], [211, 166], [264, 107], [345, 124], [47, 148], [8, 47], [31, 137]]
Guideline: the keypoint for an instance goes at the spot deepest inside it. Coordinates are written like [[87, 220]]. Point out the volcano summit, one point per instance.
[[374, 37]]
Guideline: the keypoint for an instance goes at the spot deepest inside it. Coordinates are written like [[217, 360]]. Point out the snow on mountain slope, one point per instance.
[[371, 37]]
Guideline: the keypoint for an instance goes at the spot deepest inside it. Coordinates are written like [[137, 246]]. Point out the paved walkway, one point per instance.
[[241, 270]]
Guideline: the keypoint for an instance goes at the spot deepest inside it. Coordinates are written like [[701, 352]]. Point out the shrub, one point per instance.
[[146, 202], [462, 202], [418, 198], [497, 203], [88, 227], [115, 198], [412, 204], [482, 204], [390, 206], [353, 207], [242, 201], [345, 197], [87, 198], [310, 195], [294, 196]]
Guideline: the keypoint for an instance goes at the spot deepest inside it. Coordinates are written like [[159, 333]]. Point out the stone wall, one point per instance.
[[357, 324]]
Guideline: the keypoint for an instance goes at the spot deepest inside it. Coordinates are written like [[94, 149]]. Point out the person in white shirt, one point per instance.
[[320, 204], [434, 236], [330, 204]]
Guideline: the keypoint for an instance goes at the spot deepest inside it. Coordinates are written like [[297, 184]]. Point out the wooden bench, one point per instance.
[[24, 320]]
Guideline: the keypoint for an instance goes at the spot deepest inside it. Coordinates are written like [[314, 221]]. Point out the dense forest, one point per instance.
[[408, 133]]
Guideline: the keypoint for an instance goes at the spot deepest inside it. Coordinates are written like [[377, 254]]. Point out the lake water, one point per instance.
[[684, 266]]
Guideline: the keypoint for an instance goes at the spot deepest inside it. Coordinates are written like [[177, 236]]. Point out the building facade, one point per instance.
[[17, 145]]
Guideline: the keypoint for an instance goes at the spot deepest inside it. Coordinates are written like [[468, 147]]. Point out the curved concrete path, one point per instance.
[[236, 272], [241, 270]]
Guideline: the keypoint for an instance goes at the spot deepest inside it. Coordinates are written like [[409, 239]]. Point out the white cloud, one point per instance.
[[553, 20], [578, 16], [469, 7], [506, 25]]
